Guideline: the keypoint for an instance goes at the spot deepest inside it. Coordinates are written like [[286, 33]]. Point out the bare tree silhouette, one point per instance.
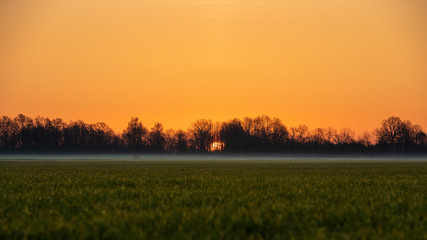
[[201, 132], [391, 132]]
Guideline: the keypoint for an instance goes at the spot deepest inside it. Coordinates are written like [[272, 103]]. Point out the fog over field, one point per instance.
[[208, 157]]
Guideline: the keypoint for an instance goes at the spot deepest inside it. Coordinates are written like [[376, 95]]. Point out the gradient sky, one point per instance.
[[340, 63]]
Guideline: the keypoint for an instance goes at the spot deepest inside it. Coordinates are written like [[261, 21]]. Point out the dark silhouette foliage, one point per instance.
[[261, 134], [232, 134], [156, 138], [135, 136]]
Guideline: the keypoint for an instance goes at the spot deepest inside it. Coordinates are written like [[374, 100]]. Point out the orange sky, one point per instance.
[[322, 63]]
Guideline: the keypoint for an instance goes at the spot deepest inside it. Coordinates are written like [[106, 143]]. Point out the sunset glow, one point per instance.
[[320, 63], [217, 146]]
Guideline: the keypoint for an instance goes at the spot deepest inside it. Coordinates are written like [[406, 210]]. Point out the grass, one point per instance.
[[213, 200]]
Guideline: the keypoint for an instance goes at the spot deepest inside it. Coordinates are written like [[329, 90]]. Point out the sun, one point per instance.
[[217, 146]]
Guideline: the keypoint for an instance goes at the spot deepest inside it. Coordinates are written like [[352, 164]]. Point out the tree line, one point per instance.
[[261, 134]]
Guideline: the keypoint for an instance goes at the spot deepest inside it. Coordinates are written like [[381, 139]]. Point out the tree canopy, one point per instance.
[[261, 134]]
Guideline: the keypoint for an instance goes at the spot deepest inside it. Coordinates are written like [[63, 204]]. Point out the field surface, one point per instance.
[[208, 199]]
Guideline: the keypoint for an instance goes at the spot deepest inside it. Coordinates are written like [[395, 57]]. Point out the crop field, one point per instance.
[[208, 199]]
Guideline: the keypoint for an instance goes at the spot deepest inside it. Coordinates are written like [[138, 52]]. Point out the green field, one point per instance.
[[167, 199]]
